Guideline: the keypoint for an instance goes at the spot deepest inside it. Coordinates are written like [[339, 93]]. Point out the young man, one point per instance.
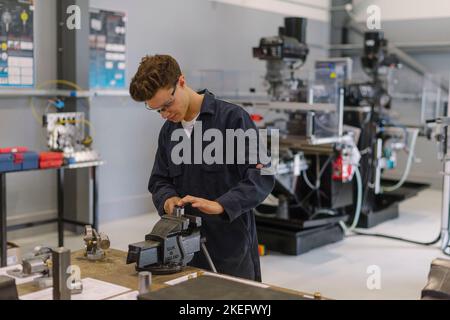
[[223, 195]]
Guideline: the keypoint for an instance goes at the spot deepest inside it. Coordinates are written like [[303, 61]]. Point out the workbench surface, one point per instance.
[[113, 269]]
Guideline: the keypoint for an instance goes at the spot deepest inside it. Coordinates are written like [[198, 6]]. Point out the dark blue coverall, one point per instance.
[[231, 237]]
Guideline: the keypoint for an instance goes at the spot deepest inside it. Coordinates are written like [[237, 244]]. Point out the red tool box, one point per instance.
[[51, 160], [46, 156], [50, 164], [13, 150]]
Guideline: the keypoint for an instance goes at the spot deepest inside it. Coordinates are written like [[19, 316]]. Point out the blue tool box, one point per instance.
[[6, 162], [16, 166], [30, 161]]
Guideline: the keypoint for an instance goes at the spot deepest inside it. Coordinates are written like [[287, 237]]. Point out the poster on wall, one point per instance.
[[107, 49], [16, 43]]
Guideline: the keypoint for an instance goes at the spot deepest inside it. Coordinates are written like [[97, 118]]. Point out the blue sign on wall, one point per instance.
[[16, 43], [107, 50]]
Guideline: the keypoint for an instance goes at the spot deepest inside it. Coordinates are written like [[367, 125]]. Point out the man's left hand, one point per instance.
[[205, 206]]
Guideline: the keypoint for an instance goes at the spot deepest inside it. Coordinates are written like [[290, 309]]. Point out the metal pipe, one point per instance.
[[95, 197], [378, 166], [405, 46], [341, 113], [3, 222], [145, 281], [60, 198], [445, 189], [445, 205], [208, 258]]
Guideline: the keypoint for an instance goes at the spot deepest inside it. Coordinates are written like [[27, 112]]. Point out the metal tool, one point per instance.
[[145, 281], [61, 262], [39, 262], [178, 211], [170, 246], [95, 243], [8, 288]]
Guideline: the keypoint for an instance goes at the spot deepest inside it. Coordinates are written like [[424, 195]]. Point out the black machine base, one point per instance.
[[373, 218], [386, 206], [162, 269], [296, 242]]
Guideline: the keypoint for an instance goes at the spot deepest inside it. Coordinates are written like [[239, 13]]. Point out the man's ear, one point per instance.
[[182, 81]]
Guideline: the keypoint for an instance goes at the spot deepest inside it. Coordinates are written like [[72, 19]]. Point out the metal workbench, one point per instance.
[[60, 220]]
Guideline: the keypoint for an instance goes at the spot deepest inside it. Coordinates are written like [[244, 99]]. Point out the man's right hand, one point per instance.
[[170, 204]]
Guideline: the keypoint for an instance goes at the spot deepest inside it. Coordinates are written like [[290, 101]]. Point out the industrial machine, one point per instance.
[[367, 107], [284, 54], [95, 243], [65, 133], [344, 130], [37, 263], [301, 215], [40, 264], [170, 246]]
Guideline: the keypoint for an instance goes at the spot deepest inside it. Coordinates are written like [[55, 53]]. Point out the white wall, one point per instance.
[[311, 9], [199, 33], [404, 9]]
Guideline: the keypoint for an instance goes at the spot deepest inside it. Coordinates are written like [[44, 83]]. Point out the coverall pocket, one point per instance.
[[214, 176], [213, 167], [175, 171]]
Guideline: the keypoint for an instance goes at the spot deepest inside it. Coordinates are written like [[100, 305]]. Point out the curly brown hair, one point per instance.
[[154, 73]]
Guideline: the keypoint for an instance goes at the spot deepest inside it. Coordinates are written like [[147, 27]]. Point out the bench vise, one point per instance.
[[170, 246]]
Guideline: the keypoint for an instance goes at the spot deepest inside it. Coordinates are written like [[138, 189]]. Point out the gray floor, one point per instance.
[[338, 271]]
